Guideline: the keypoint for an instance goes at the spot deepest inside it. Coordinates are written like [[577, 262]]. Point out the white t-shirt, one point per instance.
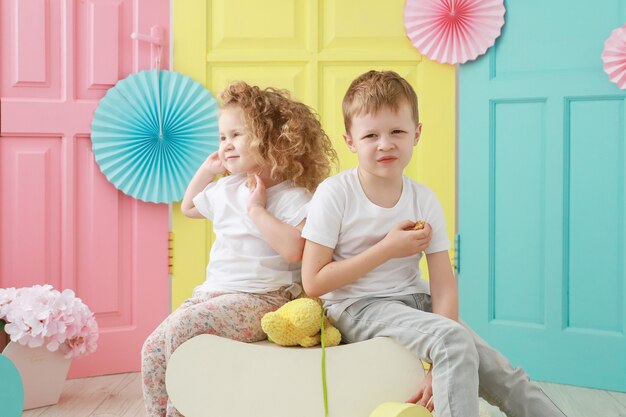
[[241, 259], [341, 217]]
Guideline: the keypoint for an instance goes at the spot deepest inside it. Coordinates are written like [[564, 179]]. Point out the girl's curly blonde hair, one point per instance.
[[284, 134]]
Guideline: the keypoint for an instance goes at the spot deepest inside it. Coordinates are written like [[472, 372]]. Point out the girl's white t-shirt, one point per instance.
[[241, 259], [343, 218]]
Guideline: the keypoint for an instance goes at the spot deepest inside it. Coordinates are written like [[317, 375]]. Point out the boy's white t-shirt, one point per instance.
[[241, 259], [341, 217]]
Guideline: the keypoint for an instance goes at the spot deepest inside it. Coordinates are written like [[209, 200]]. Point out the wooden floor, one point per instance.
[[120, 396], [102, 396]]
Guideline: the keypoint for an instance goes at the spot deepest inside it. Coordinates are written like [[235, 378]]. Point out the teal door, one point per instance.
[[541, 194]]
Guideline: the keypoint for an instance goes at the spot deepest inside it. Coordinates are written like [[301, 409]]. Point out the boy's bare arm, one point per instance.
[[443, 287], [320, 274]]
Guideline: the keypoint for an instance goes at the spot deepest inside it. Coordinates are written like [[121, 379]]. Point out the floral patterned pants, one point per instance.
[[236, 316]]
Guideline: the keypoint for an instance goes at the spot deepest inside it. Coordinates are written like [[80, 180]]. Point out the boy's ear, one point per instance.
[[349, 142], [418, 134]]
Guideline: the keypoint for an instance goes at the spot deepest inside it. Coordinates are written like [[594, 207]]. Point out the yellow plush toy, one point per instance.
[[298, 323]]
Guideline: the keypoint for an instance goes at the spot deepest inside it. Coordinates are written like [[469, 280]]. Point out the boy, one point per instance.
[[362, 258]]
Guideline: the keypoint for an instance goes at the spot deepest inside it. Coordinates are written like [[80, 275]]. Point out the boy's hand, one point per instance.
[[401, 242], [213, 164], [258, 196], [424, 396]]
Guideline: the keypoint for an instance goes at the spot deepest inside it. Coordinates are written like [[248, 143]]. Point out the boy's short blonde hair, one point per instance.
[[285, 134], [375, 90]]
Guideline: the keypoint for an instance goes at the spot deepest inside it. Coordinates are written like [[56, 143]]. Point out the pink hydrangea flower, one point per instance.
[[41, 315]]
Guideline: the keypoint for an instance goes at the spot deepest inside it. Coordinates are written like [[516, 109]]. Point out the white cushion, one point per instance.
[[214, 376]]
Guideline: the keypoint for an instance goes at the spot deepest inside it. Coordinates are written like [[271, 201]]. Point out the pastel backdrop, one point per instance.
[[527, 269]]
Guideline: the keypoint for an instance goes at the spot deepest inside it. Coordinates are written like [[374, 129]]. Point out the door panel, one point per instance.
[[61, 221], [314, 49], [541, 195], [29, 230]]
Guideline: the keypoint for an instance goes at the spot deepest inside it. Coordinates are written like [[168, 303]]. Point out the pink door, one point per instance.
[[61, 221]]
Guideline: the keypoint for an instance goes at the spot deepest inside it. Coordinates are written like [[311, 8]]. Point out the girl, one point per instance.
[[273, 153]]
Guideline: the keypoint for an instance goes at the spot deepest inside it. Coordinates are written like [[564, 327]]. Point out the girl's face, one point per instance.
[[234, 150]]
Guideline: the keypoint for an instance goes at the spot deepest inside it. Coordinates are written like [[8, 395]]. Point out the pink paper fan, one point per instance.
[[453, 31], [614, 56]]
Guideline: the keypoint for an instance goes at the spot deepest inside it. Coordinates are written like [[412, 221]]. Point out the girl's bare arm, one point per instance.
[[206, 174]]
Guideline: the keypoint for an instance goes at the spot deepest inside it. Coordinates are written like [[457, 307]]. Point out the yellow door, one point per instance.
[[314, 48]]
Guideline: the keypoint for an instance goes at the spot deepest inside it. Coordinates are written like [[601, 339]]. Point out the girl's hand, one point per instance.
[[401, 242], [424, 396], [213, 164], [258, 196]]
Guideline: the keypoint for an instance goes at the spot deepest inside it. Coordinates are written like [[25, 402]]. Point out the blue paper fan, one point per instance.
[[152, 131]]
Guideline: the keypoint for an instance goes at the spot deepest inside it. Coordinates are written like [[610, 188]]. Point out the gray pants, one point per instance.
[[464, 365]]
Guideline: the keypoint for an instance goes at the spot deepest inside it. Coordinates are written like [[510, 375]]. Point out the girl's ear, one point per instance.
[[348, 139]]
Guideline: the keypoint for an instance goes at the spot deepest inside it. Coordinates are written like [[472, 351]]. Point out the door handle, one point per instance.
[[156, 40]]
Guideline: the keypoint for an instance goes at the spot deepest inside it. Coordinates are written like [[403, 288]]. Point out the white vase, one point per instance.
[[43, 373]]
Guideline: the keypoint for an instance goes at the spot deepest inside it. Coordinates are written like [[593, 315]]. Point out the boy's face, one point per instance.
[[384, 141], [234, 150]]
